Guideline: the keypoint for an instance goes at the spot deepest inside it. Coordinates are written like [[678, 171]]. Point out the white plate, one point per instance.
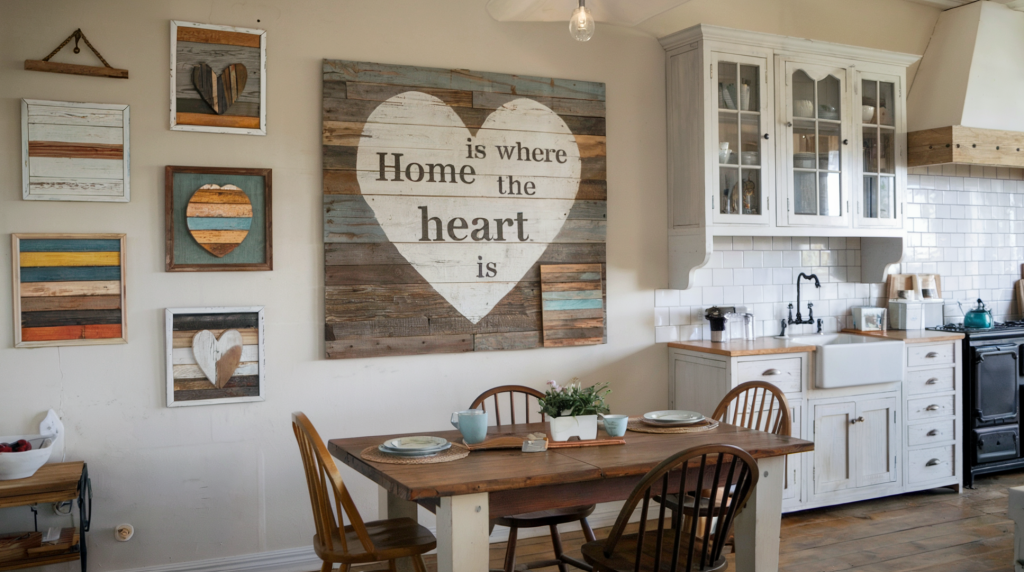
[[674, 416], [419, 443], [413, 453]]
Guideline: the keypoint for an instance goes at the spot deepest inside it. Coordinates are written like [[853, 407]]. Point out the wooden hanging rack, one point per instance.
[[45, 65]]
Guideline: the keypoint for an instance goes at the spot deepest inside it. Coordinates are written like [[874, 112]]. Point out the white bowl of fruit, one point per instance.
[[22, 455]]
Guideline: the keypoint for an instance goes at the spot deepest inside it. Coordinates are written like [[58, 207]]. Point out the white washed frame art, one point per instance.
[[175, 126], [69, 151], [169, 315]]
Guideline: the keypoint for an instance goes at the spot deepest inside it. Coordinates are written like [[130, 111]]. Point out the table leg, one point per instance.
[[390, 506], [758, 526], [462, 540]]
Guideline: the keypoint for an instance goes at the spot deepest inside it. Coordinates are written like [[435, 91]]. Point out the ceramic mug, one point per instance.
[[615, 425], [472, 423]]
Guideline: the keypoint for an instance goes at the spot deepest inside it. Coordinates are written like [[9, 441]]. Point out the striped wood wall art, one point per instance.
[[69, 289], [219, 218], [377, 302], [75, 151], [218, 78], [573, 302], [187, 383]]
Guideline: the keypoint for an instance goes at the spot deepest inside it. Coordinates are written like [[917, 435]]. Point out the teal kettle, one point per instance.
[[978, 317]]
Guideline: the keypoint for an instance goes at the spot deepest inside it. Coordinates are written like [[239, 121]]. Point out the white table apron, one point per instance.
[[463, 538]]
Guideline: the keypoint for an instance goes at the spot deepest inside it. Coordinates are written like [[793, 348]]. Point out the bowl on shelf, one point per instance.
[[803, 160], [25, 463], [751, 157], [867, 113], [827, 112], [724, 155], [803, 108]]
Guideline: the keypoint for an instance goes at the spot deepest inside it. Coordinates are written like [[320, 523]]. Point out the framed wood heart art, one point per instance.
[[218, 79], [218, 219], [214, 355], [444, 193]]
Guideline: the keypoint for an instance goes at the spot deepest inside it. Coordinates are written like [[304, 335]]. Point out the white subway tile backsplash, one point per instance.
[[743, 276], [773, 259], [662, 316], [732, 259], [666, 297], [753, 259], [762, 243]]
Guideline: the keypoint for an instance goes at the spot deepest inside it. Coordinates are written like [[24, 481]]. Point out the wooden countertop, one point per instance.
[[911, 336], [734, 348]]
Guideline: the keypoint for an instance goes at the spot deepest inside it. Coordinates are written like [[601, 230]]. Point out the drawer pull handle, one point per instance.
[[933, 433], [771, 371], [932, 355], [857, 420], [932, 407], [932, 463], [932, 381]]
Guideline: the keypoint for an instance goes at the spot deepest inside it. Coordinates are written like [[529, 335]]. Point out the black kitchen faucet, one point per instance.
[[810, 307]]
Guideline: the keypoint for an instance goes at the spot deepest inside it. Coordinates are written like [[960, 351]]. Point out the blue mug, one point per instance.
[[615, 425], [472, 423]]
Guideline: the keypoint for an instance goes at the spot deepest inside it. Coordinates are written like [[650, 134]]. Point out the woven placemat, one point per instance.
[[373, 455], [635, 424]]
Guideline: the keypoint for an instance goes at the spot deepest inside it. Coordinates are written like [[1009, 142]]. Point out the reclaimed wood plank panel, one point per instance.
[[226, 210], [211, 120], [183, 338], [236, 109], [216, 321], [491, 323], [50, 303], [74, 168], [100, 288], [349, 303], [62, 187], [204, 395], [191, 371], [593, 190], [67, 115], [379, 328], [340, 183], [75, 69], [560, 105], [184, 356], [342, 133], [411, 345], [85, 332], [218, 57], [35, 259], [384, 91], [373, 274], [68, 245], [90, 134], [572, 304], [358, 111], [70, 273], [69, 318], [205, 385], [222, 37], [75, 150], [507, 341]]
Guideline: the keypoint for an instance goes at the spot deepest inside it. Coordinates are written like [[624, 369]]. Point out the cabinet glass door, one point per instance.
[[817, 147], [739, 156], [878, 204]]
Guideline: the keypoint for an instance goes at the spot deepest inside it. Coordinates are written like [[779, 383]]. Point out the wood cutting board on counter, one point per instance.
[[897, 282]]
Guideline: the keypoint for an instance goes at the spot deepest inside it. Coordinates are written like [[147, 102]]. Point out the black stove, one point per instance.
[[993, 382]]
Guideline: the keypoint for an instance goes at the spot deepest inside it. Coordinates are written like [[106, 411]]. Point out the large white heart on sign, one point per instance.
[[472, 214], [218, 359]]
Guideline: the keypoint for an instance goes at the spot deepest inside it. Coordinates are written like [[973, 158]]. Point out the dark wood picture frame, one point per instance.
[[171, 265]]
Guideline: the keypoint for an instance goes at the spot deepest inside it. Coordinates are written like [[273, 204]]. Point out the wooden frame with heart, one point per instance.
[[201, 342], [218, 79], [446, 193]]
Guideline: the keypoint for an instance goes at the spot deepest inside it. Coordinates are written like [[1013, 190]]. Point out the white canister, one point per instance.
[[906, 315], [932, 313]]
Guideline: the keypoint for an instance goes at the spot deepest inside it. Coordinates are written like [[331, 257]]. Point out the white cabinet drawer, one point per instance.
[[930, 407], [782, 373], [931, 464], [931, 380], [930, 354], [937, 431]]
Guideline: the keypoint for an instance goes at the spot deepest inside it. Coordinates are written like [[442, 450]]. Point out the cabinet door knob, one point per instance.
[[771, 371], [932, 407], [932, 355], [766, 136], [846, 141], [933, 433], [857, 420], [789, 124], [932, 463], [931, 381]]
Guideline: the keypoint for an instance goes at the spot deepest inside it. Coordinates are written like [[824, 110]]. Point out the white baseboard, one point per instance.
[[303, 559]]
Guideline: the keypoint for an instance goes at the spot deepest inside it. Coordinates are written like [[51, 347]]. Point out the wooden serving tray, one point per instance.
[[516, 442]]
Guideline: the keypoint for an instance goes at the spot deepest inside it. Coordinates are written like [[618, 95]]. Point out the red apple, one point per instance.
[[6, 448], [22, 445]]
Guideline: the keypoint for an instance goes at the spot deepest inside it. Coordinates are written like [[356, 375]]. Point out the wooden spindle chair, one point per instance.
[[358, 542], [756, 405], [549, 518], [730, 473]]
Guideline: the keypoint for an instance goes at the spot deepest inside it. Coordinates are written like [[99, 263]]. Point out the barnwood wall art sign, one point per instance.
[[218, 219], [214, 355], [218, 79], [69, 289], [444, 193], [45, 65], [74, 151]]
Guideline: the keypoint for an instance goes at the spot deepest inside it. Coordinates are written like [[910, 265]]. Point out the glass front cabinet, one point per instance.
[[767, 132]]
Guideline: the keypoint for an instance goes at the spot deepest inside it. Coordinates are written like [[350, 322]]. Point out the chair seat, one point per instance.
[[394, 538], [624, 557], [546, 517]]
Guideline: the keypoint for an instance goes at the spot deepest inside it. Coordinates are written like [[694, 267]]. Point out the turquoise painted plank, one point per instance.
[[347, 218], [70, 273], [466, 80], [572, 305], [70, 245], [218, 223], [582, 295]]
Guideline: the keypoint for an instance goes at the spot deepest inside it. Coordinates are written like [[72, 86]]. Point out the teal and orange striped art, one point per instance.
[[219, 218], [572, 304], [69, 289]]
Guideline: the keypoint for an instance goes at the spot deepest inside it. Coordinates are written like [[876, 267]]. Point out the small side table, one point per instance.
[[52, 483]]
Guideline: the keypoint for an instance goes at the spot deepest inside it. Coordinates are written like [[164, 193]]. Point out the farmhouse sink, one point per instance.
[[845, 360]]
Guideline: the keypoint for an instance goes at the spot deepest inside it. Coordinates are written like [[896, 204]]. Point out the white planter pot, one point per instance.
[[582, 426]]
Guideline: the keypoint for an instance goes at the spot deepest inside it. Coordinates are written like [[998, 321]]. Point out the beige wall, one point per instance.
[[215, 481]]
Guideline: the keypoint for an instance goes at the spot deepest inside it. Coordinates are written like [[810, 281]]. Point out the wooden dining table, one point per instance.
[[467, 493]]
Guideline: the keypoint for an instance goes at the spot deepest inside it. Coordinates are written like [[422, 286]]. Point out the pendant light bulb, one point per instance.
[[581, 25]]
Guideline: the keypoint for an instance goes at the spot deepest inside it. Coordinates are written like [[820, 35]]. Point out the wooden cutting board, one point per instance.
[[1019, 289], [516, 442], [897, 282]]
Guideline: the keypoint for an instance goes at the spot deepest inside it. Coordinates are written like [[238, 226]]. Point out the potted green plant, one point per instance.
[[573, 409]]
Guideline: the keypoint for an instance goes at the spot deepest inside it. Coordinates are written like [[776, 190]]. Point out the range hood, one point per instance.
[[966, 104]]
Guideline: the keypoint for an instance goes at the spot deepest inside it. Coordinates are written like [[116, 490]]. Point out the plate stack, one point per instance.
[[672, 418], [424, 446]]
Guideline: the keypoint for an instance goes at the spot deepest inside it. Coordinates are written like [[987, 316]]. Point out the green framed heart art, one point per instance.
[[463, 211], [218, 219]]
